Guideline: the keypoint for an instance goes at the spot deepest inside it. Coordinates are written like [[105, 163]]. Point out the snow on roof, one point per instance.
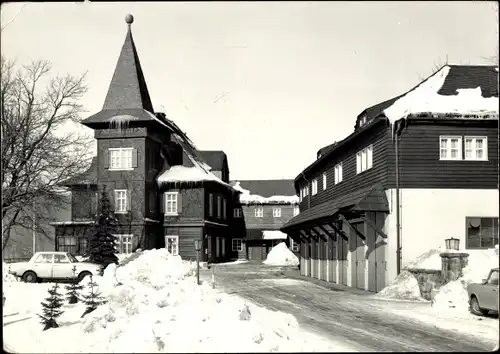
[[425, 99], [180, 174], [273, 235], [247, 198]]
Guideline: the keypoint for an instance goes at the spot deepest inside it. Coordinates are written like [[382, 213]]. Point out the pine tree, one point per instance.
[[73, 291], [102, 243], [93, 299], [51, 308]]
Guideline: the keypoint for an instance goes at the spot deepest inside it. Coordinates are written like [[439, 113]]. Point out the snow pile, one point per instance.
[[430, 260], [247, 198], [7, 278], [404, 287], [273, 235], [454, 294], [425, 99], [282, 256], [157, 307]]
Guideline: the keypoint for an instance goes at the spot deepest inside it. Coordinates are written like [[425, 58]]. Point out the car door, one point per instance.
[[42, 265], [491, 292], [62, 267]]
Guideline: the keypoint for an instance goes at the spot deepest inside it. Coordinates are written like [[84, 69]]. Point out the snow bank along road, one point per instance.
[[355, 319]]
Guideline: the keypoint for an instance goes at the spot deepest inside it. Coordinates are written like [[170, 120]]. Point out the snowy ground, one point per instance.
[[354, 318], [157, 308]]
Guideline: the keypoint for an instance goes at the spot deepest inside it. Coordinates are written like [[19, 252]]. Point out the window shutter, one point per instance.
[[134, 158], [129, 200], [106, 158], [162, 203], [179, 202]]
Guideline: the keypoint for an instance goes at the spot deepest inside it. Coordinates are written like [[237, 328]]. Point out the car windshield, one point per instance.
[[72, 258]]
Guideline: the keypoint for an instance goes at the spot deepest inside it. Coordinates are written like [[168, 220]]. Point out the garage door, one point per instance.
[[256, 253]]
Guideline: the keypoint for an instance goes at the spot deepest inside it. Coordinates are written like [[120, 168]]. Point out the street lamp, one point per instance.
[[452, 243], [197, 247]]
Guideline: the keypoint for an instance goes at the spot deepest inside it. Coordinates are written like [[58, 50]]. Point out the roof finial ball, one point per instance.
[[129, 19]]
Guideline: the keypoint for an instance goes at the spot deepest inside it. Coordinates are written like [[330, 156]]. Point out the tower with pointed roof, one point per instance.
[[159, 183]]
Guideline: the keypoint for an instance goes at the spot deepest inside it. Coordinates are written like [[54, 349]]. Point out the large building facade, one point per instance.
[[413, 173]]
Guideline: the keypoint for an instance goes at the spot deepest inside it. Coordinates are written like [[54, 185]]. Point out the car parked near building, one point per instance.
[[54, 265], [483, 297]]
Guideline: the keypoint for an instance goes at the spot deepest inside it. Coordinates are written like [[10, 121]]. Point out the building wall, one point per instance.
[[83, 203], [429, 216], [190, 204], [268, 221], [380, 136], [419, 153], [187, 236]]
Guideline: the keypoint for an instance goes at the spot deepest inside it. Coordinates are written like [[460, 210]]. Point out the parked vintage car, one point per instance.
[[54, 265], [483, 297]]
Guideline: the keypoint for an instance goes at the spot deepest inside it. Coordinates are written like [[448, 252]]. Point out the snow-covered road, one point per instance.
[[354, 319]]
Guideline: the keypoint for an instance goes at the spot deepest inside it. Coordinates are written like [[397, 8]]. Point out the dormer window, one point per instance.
[[362, 121]]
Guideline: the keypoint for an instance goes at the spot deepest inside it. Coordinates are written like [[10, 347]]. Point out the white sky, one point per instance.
[[267, 82]]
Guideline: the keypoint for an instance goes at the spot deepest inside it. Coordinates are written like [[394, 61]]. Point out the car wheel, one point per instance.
[[82, 275], [30, 277], [475, 308]]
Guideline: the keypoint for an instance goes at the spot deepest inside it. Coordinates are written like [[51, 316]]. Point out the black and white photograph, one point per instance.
[[250, 176]]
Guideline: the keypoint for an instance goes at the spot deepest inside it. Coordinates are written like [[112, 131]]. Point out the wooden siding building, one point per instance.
[[432, 175], [165, 192]]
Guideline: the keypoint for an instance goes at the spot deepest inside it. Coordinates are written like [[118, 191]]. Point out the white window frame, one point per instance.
[[277, 212], [224, 208], [176, 243], [300, 194], [210, 204], [338, 172], [120, 160], [314, 187], [239, 247], [364, 159], [294, 246], [259, 212], [474, 149], [173, 202], [324, 181], [124, 247], [219, 207], [296, 210], [448, 149], [118, 199], [237, 212]]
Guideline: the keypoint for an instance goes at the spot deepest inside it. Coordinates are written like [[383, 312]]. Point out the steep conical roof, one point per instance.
[[128, 94]]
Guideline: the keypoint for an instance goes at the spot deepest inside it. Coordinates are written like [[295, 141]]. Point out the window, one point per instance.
[[364, 159], [300, 194], [476, 148], [172, 244], [450, 148], [152, 201], [44, 258], [294, 246], [237, 244], [171, 203], [120, 159], [120, 201], [277, 212], [296, 211], [83, 244], [362, 121], [314, 186], [61, 258], [217, 246], [259, 212], [338, 173], [223, 247], [237, 212], [324, 181], [219, 207], [66, 244], [224, 208], [210, 204], [481, 232], [124, 243], [493, 279]]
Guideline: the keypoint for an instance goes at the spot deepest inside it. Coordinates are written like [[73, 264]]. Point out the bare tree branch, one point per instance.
[[37, 158]]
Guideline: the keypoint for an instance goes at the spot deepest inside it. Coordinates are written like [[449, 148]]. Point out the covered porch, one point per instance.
[[343, 241]]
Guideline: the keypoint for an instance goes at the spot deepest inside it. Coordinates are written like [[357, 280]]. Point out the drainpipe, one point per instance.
[[398, 221]]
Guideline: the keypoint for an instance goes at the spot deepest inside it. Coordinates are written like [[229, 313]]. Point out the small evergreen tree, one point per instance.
[[93, 299], [102, 243], [73, 290], [51, 308]]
